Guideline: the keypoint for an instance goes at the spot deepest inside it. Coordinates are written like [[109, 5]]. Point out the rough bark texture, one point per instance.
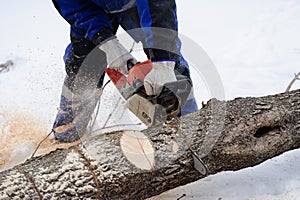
[[228, 135]]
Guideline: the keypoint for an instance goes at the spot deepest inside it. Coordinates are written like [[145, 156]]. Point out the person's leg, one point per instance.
[[190, 105], [182, 67], [84, 66]]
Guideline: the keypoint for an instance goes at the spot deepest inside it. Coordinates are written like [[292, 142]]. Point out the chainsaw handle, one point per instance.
[[130, 64]]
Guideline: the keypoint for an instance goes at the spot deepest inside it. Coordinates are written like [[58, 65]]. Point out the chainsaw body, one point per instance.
[[150, 110]]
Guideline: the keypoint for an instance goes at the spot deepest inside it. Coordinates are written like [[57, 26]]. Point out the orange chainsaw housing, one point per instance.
[[138, 71]]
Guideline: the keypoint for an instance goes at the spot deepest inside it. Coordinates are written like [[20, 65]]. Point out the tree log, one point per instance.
[[228, 136]]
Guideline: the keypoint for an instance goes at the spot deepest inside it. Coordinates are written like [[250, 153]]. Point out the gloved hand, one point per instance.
[[117, 56], [161, 73]]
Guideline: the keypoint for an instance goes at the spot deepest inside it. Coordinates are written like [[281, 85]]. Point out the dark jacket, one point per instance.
[[95, 19]]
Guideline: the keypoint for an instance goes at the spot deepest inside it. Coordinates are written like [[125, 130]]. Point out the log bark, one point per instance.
[[228, 136]]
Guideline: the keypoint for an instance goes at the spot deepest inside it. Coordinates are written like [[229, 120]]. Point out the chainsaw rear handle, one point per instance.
[[177, 89], [172, 96], [130, 64], [180, 88]]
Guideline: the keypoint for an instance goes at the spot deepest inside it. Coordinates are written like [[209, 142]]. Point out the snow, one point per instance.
[[254, 46]]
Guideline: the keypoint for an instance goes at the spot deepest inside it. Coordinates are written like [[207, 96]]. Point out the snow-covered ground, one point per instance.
[[253, 44]]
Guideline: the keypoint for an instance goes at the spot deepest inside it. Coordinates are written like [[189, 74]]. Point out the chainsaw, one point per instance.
[[151, 110], [162, 108]]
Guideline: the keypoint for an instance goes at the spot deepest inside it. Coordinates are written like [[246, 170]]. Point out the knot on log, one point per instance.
[[267, 130]]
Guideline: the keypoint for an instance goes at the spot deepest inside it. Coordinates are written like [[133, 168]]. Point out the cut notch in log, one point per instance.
[[138, 149]]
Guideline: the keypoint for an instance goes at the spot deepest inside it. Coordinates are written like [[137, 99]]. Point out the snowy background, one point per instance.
[[253, 44]]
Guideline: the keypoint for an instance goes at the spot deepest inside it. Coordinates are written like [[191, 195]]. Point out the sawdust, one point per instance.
[[50, 144], [20, 134]]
